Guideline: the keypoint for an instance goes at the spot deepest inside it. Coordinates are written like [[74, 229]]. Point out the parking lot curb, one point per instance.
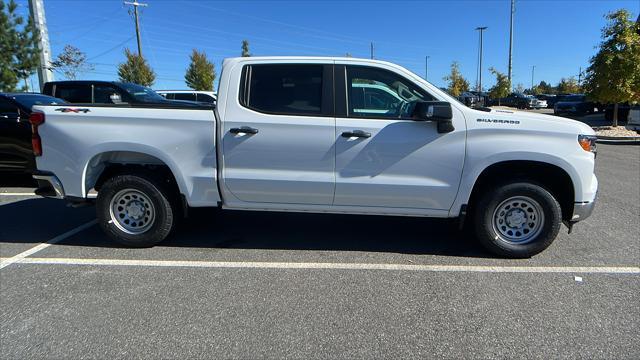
[[613, 140]]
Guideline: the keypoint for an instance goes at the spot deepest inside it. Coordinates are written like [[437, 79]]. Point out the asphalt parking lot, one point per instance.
[[320, 286]]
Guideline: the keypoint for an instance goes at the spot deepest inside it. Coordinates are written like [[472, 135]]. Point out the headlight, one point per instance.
[[587, 142]]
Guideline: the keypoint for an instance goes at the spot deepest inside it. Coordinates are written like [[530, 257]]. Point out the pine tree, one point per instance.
[[136, 70], [19, 50], [201, 73], [245, 48]]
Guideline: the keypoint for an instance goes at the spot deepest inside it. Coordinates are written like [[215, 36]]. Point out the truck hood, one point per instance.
[[539, 122]]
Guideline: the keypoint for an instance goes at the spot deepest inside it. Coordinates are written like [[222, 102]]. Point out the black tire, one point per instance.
[[499, 244], [164, 210]]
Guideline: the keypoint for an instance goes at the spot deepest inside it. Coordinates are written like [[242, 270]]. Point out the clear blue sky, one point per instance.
[[558, 37]]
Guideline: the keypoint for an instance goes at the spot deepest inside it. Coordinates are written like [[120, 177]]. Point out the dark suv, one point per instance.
[[520, 101], [16, 154], [105, 92], [576, 104]]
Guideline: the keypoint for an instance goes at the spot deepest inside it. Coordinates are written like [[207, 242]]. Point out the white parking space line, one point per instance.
[[8, 261], [18, 194], [334, 266]]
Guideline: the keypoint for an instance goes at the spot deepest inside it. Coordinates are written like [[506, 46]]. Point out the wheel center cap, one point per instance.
[[135, 210], [516, 218]]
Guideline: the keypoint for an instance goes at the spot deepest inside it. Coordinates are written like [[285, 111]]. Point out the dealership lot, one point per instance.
[[274, 285]]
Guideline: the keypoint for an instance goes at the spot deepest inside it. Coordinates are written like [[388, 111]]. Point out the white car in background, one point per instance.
[[537, 103], [190, 95]]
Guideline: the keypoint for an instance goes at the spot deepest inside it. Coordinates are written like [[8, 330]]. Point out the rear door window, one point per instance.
[[285, 89]]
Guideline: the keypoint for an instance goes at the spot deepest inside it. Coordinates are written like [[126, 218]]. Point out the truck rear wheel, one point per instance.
[[135, 210], [517, 220]]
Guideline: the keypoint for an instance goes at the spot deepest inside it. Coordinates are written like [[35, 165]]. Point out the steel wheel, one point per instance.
[[518, 220], [132, 211]]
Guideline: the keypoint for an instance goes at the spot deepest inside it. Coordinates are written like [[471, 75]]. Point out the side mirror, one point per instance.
[[439, 111]]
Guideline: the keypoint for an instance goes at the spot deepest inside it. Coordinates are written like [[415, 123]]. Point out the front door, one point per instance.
[[278, 145], [383, 157]]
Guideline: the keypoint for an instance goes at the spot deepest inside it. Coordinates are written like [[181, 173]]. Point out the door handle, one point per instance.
[[356, 133], [244, 130]]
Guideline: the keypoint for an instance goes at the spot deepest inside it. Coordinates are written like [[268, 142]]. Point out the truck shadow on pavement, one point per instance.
[[213, 228]]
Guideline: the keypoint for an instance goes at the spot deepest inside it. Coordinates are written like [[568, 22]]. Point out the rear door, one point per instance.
[[278, 136], [383, 157]]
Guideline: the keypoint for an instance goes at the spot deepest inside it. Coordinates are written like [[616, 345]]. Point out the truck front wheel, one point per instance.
[[135, 210], [517, 220]]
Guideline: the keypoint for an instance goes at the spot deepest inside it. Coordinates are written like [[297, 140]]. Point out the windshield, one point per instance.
[[141, 93], [29, 100]]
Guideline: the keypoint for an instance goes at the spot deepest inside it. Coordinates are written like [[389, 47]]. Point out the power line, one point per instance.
[[111, 49]]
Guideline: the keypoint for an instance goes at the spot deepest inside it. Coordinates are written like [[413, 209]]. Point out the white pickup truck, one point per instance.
[[336, 135]]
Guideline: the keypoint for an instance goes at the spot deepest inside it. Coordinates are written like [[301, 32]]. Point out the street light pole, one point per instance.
[[481, 29], [426, 67]]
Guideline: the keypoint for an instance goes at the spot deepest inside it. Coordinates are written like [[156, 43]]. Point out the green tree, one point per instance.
[[71, 62], [613, 75], [502, 87], [245, 48], [543, 88], [19, 50], [457, 83], [201, 72], [568, 86], [136, 70]]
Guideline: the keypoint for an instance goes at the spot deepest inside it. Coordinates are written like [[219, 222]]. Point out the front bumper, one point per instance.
[[582, 210], [49, 185]]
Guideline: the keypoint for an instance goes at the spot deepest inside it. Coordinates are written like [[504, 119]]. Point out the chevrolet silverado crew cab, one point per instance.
[[334, 135]]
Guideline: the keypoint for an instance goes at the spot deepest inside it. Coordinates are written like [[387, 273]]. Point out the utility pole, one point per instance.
[[372, 50], [135, 12], [533, 69], [481, 29], [513, 10], [44, 71], [426, 67]]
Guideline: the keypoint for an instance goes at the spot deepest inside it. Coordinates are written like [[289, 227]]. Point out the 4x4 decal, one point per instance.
[[73, 110]]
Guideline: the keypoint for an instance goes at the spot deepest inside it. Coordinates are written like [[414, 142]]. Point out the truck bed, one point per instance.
[[79, 140]]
